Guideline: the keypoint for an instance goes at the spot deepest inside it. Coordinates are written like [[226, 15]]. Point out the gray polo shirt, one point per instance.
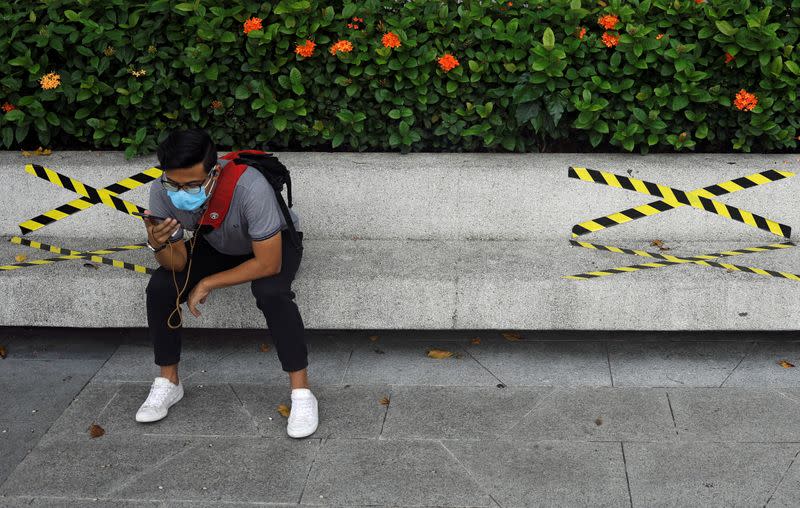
[[254, 214]]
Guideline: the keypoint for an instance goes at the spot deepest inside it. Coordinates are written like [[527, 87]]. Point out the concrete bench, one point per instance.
[[435, 241]]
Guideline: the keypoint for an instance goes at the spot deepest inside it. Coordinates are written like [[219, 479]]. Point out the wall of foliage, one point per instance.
[[420, 75]]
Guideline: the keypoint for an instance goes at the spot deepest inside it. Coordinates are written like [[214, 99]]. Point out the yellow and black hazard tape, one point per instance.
[[96, 195], [676, 196], [660, 206], [668, 260], [83, 203], [74, 254]]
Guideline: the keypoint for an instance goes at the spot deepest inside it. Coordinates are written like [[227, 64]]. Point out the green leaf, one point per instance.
[[140, 134], [452, 86], [776, 66], [185, 7], [8, 136], [726, 28], [280, 123], [679, 102], [793, 67], [14, 115], [294, 75], [227, 37], [241, 92], [548, 39]]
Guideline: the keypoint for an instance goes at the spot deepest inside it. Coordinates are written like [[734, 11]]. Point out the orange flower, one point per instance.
[[305, 50], [215, 104], [608, 21], [610, 40], [659, 36], [448, 62], [390, 40], [252, 24], [50, 80], [510, 4], [343, 46], [699, 1], [7, 106], [745, 101], [582, 32], [728, 57]]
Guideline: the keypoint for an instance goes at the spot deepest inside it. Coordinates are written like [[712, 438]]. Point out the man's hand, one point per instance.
[[197, 295], [159, 232]]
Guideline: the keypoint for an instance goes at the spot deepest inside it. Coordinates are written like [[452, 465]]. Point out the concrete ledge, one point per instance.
[[435, 241], [388, 284]]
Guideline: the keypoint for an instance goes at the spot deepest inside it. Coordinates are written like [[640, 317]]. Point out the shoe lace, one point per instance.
[[157, 395], [303, 409]]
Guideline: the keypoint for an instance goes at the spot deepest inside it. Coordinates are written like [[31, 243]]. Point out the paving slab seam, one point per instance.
[[625, 466], [535, 406], [752, 347], [310, 468], [783, 476], [484, 366], [244, 408], [469, 474], [608, 358], [346, 366], [165, 460], [672, 413]]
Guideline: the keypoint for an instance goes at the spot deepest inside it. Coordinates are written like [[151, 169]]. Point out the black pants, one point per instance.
[[274, 297]]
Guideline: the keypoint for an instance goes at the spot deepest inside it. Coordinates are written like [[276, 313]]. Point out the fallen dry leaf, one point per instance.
[[373, 338], [264, 347], [3, 352], [38, 151], [90, 265], [439, 353], [96, 430], [659, 244], [476, 341], [20, 258], [385, 401], [599, 420], [512, 336], [785, 364], [283, 409]]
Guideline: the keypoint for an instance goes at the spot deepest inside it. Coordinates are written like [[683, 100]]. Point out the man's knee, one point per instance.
[[269, 289], [161, 283]]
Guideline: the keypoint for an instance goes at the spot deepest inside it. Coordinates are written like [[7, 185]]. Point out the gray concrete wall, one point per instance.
[[436, 241]]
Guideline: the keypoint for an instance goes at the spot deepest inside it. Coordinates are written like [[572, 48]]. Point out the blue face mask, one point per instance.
[[186, 201]]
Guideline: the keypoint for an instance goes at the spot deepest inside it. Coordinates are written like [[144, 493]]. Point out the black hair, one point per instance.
[[185, 148]]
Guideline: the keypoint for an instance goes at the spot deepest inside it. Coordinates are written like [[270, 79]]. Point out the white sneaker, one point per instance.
[[163, 394], [303, 417]]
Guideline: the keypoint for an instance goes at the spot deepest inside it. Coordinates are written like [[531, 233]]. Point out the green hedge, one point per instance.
[[528, 77]]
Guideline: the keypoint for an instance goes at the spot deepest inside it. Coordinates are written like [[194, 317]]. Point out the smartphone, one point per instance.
[[151, 217]]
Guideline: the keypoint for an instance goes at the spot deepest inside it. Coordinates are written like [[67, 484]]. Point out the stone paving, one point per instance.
[[554, 419]]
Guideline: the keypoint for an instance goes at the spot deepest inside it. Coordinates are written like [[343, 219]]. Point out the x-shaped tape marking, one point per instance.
[[667, 260], [89, 199], [68, 254], [674, 198]]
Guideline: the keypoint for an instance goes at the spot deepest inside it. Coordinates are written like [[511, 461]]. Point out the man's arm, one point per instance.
[[173, 256], [267, 262]]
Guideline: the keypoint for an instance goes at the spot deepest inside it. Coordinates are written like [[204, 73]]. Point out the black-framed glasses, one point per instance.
[[191, 189]]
